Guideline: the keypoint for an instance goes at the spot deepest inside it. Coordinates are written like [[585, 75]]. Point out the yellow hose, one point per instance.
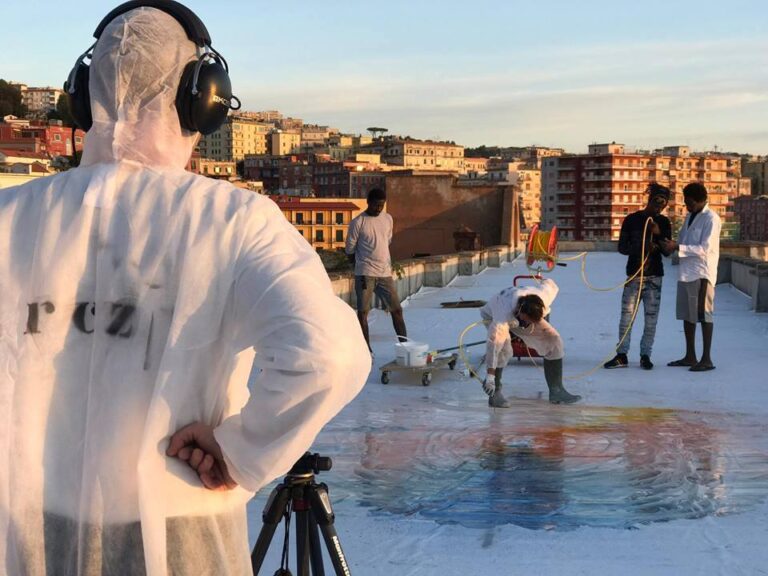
[[539, 255]]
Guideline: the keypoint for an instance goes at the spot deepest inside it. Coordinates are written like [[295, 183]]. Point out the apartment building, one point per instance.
[[756, 169], [529, 185], [322, 222], [347, 179], [314, 136], [475, 167], [532, 155], [527, 178], [752, 215], [419, 154], [343, 147], [588, 195], [45, 137], [283, 142], [264, 168], [39, 100], [296, 176], [217, 169], [238, 136]]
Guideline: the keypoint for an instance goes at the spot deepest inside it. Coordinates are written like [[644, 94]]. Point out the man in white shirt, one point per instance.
[[698, 246], [521, 311], [368, 240]]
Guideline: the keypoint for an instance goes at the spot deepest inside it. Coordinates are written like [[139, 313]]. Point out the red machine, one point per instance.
[[519, 348]]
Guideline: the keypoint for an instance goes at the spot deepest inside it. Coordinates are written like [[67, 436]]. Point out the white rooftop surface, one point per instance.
[[653, 472]]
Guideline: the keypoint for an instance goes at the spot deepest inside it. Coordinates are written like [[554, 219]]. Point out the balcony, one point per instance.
[[598, 165]]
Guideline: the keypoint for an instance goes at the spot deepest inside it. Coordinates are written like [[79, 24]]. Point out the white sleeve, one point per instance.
[[548, 292], [710, 233], [352, 233], [309, 348], [498, 332]]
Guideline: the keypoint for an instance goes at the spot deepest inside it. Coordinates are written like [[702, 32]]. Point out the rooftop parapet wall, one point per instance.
[[433, 271], [742, 264]]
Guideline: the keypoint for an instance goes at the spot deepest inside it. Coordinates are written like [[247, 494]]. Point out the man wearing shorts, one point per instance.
[[368, 239], [698, 246]]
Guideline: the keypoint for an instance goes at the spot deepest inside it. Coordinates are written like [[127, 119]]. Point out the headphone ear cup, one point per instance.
[[80, 98], [184, 98], [211, 104]]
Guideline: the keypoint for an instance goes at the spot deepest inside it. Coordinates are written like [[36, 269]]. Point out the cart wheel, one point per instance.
[[452, 364], [426, 378], [385, 377]]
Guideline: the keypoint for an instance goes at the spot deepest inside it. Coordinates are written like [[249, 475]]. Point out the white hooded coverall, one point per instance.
[[134, 299], [499, 314]]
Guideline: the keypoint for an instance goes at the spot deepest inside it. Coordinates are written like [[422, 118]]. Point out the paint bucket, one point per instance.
[[411, 353]]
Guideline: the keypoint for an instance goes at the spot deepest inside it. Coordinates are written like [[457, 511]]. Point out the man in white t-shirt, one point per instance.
[[698, 246], [368, 240]]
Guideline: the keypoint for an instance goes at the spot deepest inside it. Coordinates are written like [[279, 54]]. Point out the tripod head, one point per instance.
[[311, 464]]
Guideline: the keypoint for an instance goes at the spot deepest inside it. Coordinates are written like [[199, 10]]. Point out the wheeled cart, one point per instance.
[[426, 370]]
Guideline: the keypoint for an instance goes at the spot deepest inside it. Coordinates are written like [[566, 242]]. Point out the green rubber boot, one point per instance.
[[553, 372], [498, 400]]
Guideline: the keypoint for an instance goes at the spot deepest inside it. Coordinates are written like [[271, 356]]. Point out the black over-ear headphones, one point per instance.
[[204, 96]]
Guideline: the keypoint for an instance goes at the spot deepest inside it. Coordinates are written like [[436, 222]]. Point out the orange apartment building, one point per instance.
[[588, 195], [322, 221]]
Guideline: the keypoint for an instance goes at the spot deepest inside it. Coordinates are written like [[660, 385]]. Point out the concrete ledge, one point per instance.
[[587, 246], [440, 270], [748, 275], [434, 271], [469, 263]]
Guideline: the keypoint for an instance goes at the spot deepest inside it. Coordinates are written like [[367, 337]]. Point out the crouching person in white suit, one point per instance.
[[136, 298], [521, 311]]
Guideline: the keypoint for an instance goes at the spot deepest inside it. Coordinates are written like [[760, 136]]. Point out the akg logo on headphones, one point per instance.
[[220, 100]]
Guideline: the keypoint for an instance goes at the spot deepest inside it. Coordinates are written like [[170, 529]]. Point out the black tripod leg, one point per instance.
[[302, 542], [274, 510], [315, 553], [321, 508]]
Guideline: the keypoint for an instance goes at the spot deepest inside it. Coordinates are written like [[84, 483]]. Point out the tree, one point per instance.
[[62, 111], [10, 100]]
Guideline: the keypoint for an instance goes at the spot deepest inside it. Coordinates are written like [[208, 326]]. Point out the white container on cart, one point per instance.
[[411, 353]]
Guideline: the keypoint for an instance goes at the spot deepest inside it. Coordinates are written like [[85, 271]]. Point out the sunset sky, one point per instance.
[[553, 73]]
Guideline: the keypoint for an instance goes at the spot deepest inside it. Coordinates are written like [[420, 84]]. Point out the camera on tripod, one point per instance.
[[299, 493], [311, 464]]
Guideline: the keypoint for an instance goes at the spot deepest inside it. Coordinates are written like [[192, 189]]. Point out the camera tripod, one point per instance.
[[300, 493]]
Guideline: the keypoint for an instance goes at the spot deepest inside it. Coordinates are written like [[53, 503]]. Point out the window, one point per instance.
[[339, 235], [319, 236], [319, 218], [339, 218], [299, 218]]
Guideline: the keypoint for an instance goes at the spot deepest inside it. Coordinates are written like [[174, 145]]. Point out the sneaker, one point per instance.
[[619, 361], [645, 362]]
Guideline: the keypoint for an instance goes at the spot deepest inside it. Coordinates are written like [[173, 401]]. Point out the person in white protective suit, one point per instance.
[[521, 311], [136, 297]]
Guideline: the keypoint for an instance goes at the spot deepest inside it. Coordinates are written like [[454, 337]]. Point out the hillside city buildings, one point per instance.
[[301, 164], [587, 195]]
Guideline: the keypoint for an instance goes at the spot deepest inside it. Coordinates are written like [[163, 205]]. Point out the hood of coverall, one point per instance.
[[134, 78]]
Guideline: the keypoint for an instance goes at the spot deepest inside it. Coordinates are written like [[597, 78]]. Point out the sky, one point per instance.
[[508, 73]]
